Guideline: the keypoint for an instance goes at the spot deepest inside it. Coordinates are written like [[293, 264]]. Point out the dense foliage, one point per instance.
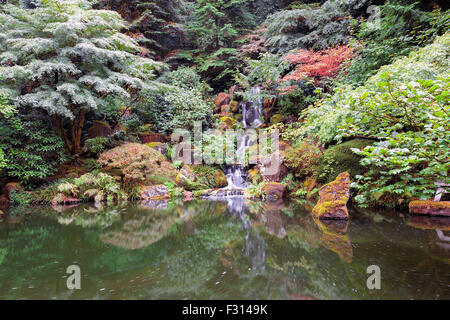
[[68, 61], [358, 86]]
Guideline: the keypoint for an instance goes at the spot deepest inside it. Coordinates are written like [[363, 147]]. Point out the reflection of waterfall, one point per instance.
[[254, 243], [251, 119]]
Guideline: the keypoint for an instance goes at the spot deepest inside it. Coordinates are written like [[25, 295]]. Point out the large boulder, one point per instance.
[[430, 208], [333, 200], [222, 99], [138, 163], [154, 192], [274, 191]]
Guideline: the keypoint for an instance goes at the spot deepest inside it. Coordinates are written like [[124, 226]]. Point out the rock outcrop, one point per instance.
[[157, 192], [333, 200], [274, 191], [430, 208]]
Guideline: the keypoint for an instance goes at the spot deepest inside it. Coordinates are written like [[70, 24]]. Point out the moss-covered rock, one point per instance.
[[333, 200], [137, 163], [274, 191], [276, 118], [227, 123], [430, 208], [341, 158]]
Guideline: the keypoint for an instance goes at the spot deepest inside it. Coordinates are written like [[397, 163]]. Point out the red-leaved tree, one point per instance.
[[318, 65]]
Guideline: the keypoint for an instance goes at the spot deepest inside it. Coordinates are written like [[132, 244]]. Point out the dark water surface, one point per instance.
[[220, 250]]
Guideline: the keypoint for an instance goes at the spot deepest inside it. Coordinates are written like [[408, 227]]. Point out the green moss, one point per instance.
[[322, 208], [341, 158]]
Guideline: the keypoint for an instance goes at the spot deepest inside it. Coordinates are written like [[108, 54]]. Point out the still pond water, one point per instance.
[[233, 249]]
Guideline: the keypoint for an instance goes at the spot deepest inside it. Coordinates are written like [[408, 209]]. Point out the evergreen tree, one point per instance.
[[69, 61], [216, 22], [156, 25]]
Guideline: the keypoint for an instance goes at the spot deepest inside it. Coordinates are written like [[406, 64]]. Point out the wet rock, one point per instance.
[[274, 191], [227, 123], [333, 200], [222, 99], [154, 193], [61, 198], [430, 208], [234, 106]]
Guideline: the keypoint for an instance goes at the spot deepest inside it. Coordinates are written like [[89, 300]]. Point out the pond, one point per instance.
[[233, 249]]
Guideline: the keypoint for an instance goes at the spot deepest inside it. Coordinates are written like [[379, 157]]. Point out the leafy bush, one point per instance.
[[30, 151], [96, 145], [186, 78], [97, 186], [327, 115], [303, 159], [412, 120], [317, 65], [169, 108]]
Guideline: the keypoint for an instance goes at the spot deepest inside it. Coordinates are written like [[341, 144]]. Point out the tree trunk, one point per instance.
[[74, 144]]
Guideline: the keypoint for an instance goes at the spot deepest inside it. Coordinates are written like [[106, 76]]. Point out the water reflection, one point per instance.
[[229, 249]]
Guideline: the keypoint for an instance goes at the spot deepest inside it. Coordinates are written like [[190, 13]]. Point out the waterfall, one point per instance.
[[252, 111]]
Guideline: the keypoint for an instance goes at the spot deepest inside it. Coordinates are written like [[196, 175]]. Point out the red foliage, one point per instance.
[[255, 44], [318, 64]]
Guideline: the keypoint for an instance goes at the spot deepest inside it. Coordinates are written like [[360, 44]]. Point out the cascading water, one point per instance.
[[251, 119]]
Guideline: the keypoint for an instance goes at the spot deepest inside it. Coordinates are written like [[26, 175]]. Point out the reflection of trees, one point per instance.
[[140, 232], [201, 250]]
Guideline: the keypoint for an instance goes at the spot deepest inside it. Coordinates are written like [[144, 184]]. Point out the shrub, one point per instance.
[[393, 38], [186, 78], [340, 158], [96, 145], [137, 164], [303, 159], [317, 65], [30, 151], [412, 121], [97, 186], [324, 119], [169, 108]]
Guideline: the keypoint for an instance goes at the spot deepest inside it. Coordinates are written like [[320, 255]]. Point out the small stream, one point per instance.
[[229, 249]]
